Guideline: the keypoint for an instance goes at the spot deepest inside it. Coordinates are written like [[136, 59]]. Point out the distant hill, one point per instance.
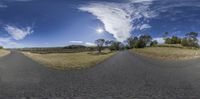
[[75, 47]]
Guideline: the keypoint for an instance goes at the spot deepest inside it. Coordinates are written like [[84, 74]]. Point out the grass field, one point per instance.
[[53, 50], [65, 61], [4, 52], [169, 53]]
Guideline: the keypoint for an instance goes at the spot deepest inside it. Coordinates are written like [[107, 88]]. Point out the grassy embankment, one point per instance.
[[66, 61], [173, 52], [4, 52]]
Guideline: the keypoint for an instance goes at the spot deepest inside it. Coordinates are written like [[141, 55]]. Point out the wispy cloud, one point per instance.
[[90, 44], [21, 0], [8, 42], [77, 42], [141, 1], [83, 43], [3, 6], [144, 26], [18, 33], [119, 19]]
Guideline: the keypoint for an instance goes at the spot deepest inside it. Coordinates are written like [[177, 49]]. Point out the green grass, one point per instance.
[[168, 53], [66, 61]]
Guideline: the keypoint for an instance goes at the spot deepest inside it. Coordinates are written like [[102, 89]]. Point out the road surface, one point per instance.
[[124, 76]]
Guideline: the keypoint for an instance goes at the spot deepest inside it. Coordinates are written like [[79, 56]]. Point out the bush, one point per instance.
[[190, 40], [115, 46], [132, 42], [141, 44], [154, 43], [173, 40], [189, 43]]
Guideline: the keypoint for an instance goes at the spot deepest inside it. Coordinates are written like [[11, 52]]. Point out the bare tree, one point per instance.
[[100, 43]]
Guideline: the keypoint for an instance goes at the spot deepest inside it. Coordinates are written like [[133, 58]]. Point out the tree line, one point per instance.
[[190, 40]]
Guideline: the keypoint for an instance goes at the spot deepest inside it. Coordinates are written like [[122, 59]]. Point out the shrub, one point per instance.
[[173, 40], [154, 43], [190, 40]]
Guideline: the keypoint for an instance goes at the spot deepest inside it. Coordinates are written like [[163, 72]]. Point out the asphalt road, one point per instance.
[[124, 76]]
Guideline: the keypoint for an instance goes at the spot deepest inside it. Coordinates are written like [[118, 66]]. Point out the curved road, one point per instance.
[[124, 76]]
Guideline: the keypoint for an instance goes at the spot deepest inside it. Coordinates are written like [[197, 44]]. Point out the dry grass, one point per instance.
[[67, 61], [4, 52], [169, 53]]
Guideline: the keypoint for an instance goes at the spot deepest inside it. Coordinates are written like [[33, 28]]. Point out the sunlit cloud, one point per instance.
[[90, 44], [119, 19], [77, 42], [141, 1], [160, 40], [83, 43], [144, 26], [8, 42], [18, 33], [100, 30]]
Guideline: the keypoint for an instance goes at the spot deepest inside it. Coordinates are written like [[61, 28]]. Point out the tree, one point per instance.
[[165, 35], [116, 46], [192, 35], [108, 42], [190, 40], [146, 39], [175, 40], [167, 40], [141, 44], [154, 43], [100, 43], [132, 42]]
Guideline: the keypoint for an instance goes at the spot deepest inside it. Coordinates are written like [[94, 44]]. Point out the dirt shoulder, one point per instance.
[[167, 53], [65, 61], [4, 52]]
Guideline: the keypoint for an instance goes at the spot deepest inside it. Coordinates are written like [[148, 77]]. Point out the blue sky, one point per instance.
[[46, 23]]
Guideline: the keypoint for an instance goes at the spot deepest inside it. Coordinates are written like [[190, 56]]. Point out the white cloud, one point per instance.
[[3, 6], [160, 40], [8, 43], [90, 44], [83, 43], [145, 26], [76, 42], [198, 40], [21, 0], [141, 1], [119, 19], [18, 33]]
